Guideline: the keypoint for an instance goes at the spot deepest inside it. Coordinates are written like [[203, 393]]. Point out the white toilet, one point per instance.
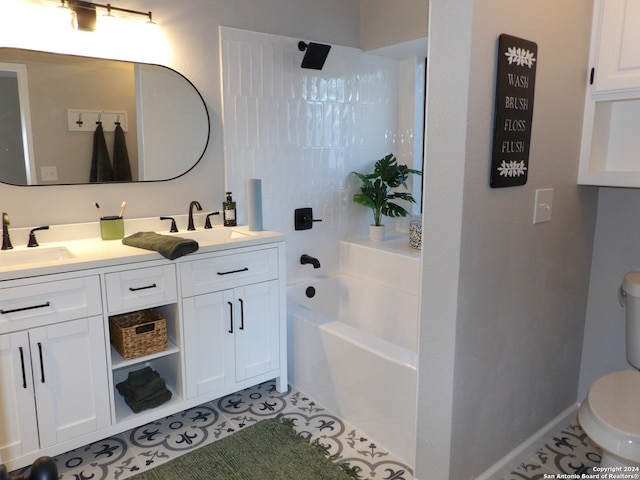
[[610, 415]]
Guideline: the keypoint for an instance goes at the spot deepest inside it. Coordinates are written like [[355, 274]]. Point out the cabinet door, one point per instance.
[[18, 429], [618, 38], [71, 379], [208, 342], [257, 329]]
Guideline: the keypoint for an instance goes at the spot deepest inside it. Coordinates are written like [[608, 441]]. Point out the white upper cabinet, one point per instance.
[[610, 148], [618, 45]]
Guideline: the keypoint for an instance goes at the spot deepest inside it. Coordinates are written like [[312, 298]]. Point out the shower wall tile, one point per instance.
[[302, 132]]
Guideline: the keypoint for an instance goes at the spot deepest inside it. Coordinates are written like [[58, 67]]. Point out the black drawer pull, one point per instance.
[[231, 315], [245, 269], [135, 289], [24, 374], [14, 310], [41, 361]]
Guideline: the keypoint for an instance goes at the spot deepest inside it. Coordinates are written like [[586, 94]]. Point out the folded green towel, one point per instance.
[[167, 245], [139, 390], [151, 402], [144, 389]]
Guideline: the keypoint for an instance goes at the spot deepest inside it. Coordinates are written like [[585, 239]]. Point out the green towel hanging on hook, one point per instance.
[[101, 170]]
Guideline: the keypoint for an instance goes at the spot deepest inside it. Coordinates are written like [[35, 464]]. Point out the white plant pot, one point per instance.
[[376, 233]]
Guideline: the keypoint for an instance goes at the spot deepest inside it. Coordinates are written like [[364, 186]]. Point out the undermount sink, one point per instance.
[[9, 258], [213, 235]]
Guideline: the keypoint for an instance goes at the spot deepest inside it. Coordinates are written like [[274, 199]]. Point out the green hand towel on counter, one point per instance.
[[167, 245]]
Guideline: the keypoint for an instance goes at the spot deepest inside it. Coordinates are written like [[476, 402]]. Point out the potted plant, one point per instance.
[[376, 192]]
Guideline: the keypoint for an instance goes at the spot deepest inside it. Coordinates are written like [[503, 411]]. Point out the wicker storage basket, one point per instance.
[[138, 333]]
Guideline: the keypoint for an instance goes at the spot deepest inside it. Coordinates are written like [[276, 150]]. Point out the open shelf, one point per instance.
[[124, 413], [118, 362]]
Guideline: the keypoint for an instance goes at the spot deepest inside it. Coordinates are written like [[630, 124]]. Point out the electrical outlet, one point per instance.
[[48, 174], [543, 205]]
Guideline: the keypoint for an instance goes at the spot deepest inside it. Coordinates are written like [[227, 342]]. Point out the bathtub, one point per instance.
[[352, 347]]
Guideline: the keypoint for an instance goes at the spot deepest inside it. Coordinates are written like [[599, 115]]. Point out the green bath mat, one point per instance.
[[269, 450]]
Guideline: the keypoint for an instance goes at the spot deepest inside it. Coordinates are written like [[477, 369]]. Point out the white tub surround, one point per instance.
[[303, 131], [392, 263], [224, 307], [353, 343]]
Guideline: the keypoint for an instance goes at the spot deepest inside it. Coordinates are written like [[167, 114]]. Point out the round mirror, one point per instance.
[[62, 117]]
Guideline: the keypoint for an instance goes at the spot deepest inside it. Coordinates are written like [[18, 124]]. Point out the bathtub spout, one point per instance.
[[304, 259]]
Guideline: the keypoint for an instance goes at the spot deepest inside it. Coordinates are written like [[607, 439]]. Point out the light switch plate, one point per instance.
[[543, 205]]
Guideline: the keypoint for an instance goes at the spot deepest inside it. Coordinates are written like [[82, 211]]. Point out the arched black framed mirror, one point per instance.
[[50, 103]]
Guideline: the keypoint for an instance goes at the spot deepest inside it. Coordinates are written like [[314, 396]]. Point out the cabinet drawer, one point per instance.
[[228, 271], [141, 288], [48, 302]]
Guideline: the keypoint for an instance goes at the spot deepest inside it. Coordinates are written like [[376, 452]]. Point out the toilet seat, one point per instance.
[[610, 414]]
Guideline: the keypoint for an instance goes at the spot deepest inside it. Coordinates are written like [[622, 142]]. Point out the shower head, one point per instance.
[[315, 54]]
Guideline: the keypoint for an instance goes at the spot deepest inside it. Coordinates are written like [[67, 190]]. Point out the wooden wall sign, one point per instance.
[[515, 86]]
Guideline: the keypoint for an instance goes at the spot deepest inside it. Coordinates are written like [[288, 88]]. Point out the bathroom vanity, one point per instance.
[[224, 307]]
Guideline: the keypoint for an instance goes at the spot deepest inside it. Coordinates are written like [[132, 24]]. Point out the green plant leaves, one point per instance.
[[375, 191]]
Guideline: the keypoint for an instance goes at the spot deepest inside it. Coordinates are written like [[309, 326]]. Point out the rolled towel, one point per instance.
[[167, 245]]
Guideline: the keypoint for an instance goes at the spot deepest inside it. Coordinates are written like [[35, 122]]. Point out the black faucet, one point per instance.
[[6, 241], [199, 208], [304, 259], [33, 241], [207, 224]]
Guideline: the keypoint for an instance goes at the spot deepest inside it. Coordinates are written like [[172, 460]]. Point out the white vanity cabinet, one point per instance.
[[610, 148], [224, 308], [232, 321], [53, 378], [139, 288]]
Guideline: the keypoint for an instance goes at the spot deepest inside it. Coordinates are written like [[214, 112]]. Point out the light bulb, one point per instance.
[[65, 17]]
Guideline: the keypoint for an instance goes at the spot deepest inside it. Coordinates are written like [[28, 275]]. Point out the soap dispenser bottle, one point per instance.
[[229, 211]]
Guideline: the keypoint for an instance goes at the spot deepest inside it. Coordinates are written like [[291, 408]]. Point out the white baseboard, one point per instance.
[[531, 445]]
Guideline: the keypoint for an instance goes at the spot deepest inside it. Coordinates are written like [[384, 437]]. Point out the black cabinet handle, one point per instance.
[[245, 269], [41, 361], [135, 289], [14, 310], [592, 75], [241, 314], [231, 313], [24, 374]]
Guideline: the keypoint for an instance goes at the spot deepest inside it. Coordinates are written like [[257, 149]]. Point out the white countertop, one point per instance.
[[93, 252]]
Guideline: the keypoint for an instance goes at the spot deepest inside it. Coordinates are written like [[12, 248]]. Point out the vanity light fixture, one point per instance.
[[84, 14], [315, 54]]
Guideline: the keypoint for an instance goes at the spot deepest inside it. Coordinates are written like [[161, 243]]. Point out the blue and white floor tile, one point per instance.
[[570, 452], [141, 448]]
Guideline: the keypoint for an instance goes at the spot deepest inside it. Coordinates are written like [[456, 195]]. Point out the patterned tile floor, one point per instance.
[[570, 452], [141, 448], [124, 455]]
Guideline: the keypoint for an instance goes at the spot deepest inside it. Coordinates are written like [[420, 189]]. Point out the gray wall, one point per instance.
[[522, 289], [385, 23]]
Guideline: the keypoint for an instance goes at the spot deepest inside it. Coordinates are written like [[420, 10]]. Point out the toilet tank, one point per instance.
[[631, 288]]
